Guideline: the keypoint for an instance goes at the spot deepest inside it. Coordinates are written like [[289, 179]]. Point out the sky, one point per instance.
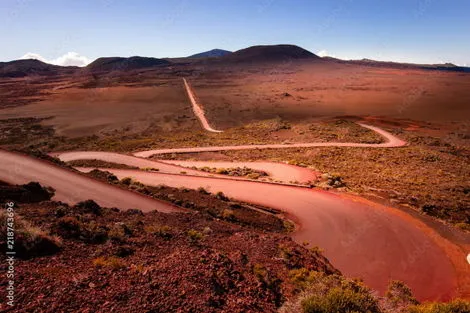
[[77, 32]]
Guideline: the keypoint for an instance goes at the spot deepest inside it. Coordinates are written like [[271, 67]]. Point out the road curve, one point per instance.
[[197, 109], [277, 171], [391, 141], [71, 187], [361, 238]]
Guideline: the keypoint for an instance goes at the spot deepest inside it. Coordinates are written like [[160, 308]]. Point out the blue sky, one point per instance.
[[422, 31]]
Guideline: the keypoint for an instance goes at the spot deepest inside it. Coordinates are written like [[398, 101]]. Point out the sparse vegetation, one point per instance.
[[29, 241], [228, 214], [194, 235], [455, 306], [329, 293], [126, 181], [109, 262], [164, 231], [234, 171], [436, 188], [71, 228]]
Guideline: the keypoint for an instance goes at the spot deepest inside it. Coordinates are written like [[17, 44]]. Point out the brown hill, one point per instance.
[[269, 53], [31, 67], [404, 66], [110, 64]]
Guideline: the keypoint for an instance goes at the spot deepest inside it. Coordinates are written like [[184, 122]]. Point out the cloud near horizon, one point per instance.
[[68, 59], [324, 53]]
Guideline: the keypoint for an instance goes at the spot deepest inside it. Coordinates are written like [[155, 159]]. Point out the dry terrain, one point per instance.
[[216, 251]]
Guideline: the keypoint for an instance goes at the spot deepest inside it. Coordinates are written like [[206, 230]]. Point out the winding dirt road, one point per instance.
[[391, 141], [360, 237], [277, 171]]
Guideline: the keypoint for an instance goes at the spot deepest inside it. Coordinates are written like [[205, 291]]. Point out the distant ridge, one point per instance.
[[269, 53], [263, 54], [32, 67], [214, 53], [389, 64], [109, 64]]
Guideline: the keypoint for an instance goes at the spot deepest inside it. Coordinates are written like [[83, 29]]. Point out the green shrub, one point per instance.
[[228, 214], [253, 176], [112, 262], [399, 294], [30, 241], [70, 227], [456, 306], [151, 169], [463, 226], [220, 195], [89, 206], [288, 226], [260, 272], [342, 299], [194, 235], [161, 231], [322, 293], [117, 233], [301, 277], [126, 181], [268, 281], [203, 191]]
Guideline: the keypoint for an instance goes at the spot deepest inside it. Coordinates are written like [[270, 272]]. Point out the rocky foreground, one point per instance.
[[85, 258]]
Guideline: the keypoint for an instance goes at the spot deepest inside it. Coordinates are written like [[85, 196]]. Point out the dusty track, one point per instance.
[[360, 237], [390, 142], [72, 187], [198, 111]]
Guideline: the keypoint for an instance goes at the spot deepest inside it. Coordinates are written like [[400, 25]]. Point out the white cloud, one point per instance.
[[68, 59], [324, 53], [35, 56], [72, 59]]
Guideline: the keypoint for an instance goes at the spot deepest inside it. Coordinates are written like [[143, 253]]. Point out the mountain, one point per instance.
[[108, 64], [396, 65], [269, 53], [214, 53], [32, 67]]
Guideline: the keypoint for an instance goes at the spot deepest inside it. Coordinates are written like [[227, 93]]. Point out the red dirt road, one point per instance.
[[390, 142], [360, 238], [72, 187], [276, 171], [198, 111]]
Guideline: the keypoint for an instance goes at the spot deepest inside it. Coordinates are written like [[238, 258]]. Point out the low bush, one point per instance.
[[161, 231], [111, 262], [321, 293], [400, 295], [89, 206], [228, 214], [126, 181], [29, 241], [194, 235], [455, 306], [70, 227], [349, 297], [203, 191]]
